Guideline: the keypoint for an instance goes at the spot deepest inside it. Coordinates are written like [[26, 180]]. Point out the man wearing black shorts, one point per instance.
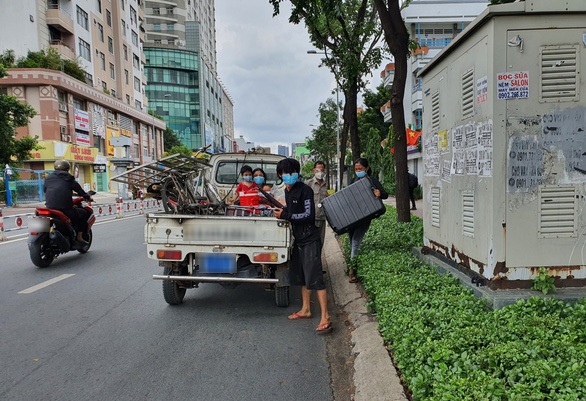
[[305, 268]]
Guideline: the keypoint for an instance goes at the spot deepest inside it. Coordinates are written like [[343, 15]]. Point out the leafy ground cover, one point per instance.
[[448, 345]]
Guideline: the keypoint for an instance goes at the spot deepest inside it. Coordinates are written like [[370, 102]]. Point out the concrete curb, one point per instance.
[[375, 377]]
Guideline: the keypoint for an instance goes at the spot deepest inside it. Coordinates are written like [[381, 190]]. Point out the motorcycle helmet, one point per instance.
[[62, 165]]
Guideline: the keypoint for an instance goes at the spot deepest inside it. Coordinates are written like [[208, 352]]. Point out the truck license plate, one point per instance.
[[217, 263]]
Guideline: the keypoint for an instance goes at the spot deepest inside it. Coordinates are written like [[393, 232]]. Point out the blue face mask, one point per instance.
[[259, 180], [247, 178], [290, 179], [360, 174]]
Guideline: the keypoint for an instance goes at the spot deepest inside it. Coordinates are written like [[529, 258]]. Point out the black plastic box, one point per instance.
[[352, 205]]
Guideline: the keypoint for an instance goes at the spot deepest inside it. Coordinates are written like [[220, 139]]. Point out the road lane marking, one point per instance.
[[45, 284]]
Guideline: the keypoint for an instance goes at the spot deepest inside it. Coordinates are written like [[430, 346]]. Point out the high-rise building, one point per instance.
[[102, 121], [183, 84], [433, 24], [283, 150]]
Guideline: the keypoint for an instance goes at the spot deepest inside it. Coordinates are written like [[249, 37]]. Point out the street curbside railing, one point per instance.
[[120, 209]]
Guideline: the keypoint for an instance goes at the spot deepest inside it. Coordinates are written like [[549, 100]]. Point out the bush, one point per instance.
[[449, 345]]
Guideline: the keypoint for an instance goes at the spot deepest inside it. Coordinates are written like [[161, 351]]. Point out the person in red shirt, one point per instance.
[[247, 190]]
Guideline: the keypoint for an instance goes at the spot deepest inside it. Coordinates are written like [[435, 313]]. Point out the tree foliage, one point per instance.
[[182, 149], [349, 32], [49, 59], [14, 114]]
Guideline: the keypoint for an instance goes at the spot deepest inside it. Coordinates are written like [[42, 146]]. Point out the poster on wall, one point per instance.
[[471, 152], [431, 166], [446, 170], [482, 90], [82, 120], [485, 146], [512, 85], [524, 164], [82, 139], [443, 141]]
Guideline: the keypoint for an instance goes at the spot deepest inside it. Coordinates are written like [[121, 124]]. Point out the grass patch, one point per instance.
[[450, 346]]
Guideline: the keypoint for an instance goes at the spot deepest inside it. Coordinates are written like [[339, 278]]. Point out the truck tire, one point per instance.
[[282, 296], [172, 293]]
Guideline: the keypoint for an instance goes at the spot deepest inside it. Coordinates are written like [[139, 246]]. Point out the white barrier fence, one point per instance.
[[119, 209]]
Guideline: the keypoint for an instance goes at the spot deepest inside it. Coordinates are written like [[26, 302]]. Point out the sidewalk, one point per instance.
[[375, 376], [418, 203]]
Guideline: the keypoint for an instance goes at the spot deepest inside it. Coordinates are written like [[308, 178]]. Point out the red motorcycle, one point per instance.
[[52, 234]]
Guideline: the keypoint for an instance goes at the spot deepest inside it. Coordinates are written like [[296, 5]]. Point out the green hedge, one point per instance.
[[449, 345]]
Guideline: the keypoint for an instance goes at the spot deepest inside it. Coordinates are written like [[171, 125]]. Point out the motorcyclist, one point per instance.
[[59, 188]]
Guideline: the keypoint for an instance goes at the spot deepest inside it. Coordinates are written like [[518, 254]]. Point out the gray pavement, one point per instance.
[[375, 377]]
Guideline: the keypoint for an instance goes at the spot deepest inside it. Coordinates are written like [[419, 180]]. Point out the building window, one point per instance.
[[110, 45], [156, 27], [126, 75], [125, 50], [113, 92], [104, 85], [89, 79], [123, 28], [85, 50], [122, 4], [136, 84], [135, 61], [133, 20], [158, 41], [109, 18], [169, 10], [127, 99], [101, 32], [134, 38], [82, 18], [138, 104], [112, 72], [99, 6], [156, 11], [170, 27], [103, 61]]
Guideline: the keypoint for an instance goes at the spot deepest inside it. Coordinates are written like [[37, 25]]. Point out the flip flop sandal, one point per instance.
[[324, 328], [297, 316]]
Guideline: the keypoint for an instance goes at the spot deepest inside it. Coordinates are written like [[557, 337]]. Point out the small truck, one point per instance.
[[200, 237]]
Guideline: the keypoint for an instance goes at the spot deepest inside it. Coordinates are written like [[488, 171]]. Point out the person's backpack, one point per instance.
[[413, 181]]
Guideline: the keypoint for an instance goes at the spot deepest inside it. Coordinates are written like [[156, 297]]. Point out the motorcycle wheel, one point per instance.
[[41, 253], [88, 237], [172, 293]]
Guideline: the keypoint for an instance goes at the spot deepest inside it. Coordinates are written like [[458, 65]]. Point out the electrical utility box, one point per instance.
[[504, 142]]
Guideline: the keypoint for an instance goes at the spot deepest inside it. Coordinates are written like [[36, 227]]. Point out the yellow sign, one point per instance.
[[442, 141], [109, 134], [48, 153], [80, 154], [126, 132]]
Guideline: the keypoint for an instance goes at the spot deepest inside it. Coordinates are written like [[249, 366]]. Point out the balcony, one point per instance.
[[63, 49], [59, 18], [388, 74], [386, 112]]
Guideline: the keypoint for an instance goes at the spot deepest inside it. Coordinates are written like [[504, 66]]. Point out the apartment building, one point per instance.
[[433, 24], [104, 119], [183, 85]]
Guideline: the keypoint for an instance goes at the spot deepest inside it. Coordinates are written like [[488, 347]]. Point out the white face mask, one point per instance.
[[319, 175]]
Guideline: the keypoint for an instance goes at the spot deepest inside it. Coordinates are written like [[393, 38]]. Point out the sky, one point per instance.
[[263, 62]]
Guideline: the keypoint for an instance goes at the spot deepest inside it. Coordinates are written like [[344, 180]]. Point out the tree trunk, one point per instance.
[[343, 141], [352, 118], [397, 39]]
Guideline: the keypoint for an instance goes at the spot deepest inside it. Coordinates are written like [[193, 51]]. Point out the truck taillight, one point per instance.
[[265, 257], [165, 254]]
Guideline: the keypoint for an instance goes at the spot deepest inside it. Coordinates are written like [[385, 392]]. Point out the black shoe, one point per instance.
[[414, 208]]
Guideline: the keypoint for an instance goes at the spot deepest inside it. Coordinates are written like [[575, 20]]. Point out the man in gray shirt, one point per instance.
[[319, 187]]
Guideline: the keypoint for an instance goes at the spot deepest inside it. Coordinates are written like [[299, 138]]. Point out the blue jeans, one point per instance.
[[356, 235]]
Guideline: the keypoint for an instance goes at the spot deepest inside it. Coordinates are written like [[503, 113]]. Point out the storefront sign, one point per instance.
[[82, 139], [82, 120], [80, 154], [99, 168]]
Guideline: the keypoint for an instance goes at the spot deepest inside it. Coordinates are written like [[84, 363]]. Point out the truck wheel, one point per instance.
[[172, 293], [282, 296]]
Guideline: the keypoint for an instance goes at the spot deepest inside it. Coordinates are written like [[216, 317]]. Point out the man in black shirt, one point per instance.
[[59, 188], [305, 268]]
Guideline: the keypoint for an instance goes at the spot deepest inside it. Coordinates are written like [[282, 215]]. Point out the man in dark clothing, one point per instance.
[[305, 268], [59, 188], [413, 183]]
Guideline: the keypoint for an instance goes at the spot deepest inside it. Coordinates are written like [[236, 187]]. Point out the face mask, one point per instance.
[[259, 180], [319, 175], [360, 174], [290, 179], [247, 178]]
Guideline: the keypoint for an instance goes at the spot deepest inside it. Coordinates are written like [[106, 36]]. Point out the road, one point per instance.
[[104, 332]]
